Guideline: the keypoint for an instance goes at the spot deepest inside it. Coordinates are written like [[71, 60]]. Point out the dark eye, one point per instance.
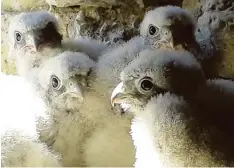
[[153, 30], [146, 84], [18, 36], [55, 82]]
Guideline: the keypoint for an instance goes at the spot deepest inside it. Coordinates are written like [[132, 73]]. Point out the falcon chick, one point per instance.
[[20, 146], [162, 27], [34, 37], [174, 28], [62, 83], [171, 126], [31, 37], [174, 21], [170, 27], [112, 131]]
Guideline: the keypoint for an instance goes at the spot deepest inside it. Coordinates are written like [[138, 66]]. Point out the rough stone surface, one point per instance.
[[112, 3], [215, 34], [95, 3], [116, 21], [23, 5], [109, 25], [6, 66]]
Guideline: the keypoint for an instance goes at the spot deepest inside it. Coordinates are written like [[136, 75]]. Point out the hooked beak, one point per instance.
[[35, 43], [165, 43], [117, 94], [168, 43], [76, 92], [166, 39], [171, 43]]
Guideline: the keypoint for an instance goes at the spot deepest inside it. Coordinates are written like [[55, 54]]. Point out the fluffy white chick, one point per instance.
[[170, 27], [171, 126], [61, 83], [34, 37], [161, 27], [20, 145], [112, 134], [114, 60], [174, 28], [174, 21]]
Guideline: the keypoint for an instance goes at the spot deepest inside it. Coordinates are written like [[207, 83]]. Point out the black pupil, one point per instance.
[[18, 36], [152, 30], [55, 82], [146, 85]]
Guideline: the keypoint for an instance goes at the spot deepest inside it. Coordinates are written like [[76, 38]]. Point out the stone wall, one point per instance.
[[115, 21]]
